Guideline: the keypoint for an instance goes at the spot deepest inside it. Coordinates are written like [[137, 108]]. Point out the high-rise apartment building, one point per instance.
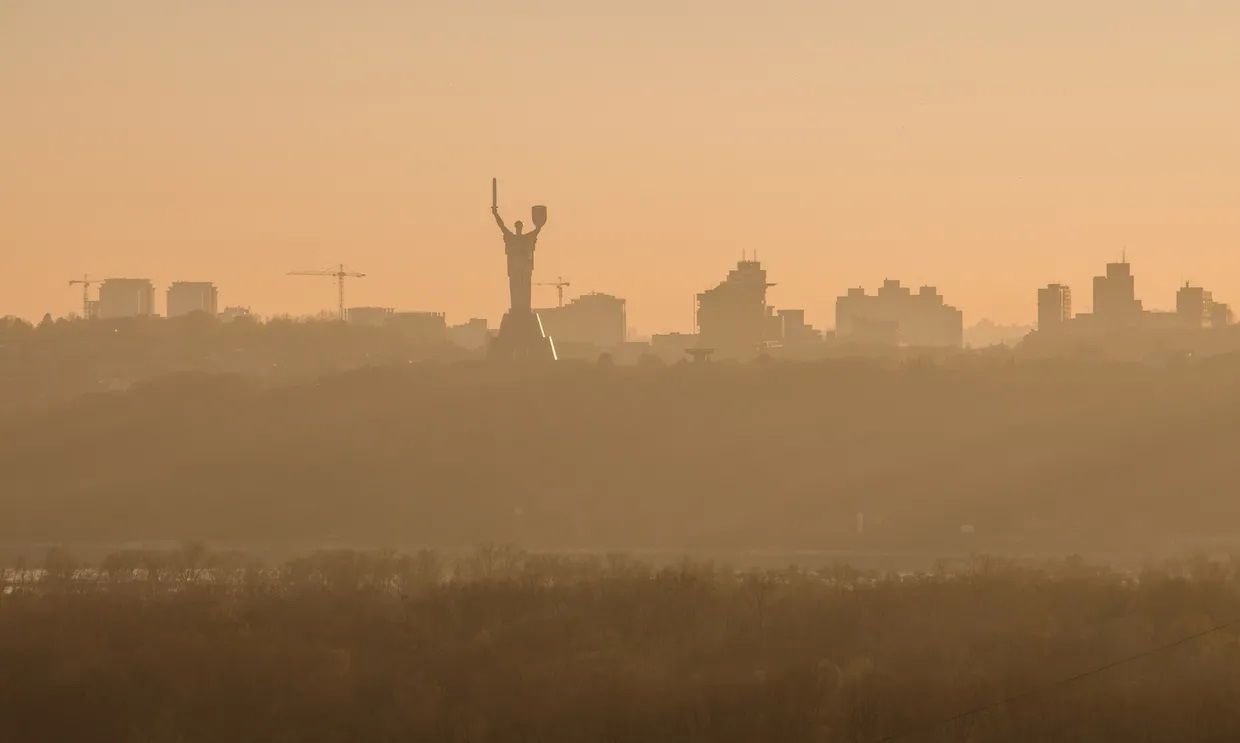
[[1115, 301], [1054, 307], [732, 317], [126, 298], [184, 297], [895, 315], [1196, 308]]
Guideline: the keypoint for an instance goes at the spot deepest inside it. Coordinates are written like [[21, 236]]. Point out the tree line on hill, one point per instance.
[[59, 360], [983, 454]]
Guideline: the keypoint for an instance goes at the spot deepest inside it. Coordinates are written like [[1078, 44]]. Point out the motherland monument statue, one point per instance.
[[521, 336]]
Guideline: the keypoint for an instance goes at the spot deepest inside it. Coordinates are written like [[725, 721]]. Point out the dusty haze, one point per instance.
[[291, 525], [981, 146]]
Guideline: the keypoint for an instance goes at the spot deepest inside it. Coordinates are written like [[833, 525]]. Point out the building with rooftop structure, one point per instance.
[[897, 316]]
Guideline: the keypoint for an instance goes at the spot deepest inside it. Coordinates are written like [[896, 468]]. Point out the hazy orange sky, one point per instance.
[[984, 146]]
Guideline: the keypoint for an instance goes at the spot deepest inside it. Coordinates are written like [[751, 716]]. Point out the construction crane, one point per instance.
[[340, 275], [559, 285], [87, 282]]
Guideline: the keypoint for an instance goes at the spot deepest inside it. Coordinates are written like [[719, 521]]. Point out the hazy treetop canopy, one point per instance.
[[951, 454]]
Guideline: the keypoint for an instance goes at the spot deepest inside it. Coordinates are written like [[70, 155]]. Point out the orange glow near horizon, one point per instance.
[[982, 147]]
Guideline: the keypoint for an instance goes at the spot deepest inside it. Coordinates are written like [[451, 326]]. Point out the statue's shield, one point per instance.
[[539, 215]]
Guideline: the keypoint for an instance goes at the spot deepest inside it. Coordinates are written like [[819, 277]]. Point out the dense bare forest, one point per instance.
[[501, 645], [976, 451]]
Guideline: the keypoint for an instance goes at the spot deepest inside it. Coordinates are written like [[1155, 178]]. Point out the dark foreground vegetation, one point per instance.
[[970, 453], [506, 646]]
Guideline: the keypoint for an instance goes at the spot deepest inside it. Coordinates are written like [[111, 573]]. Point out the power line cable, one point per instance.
[[1051, 686]]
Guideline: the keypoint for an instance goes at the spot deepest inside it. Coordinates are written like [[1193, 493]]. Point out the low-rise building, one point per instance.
[[421, 327], [371, 317], [794, 331], [471, 335], [595, 319], [229, 314]]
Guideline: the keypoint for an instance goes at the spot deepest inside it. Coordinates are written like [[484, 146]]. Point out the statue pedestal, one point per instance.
[[521, 338]]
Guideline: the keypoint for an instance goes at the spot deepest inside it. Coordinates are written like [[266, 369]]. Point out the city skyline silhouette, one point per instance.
[[204, 296], [986, 151]]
